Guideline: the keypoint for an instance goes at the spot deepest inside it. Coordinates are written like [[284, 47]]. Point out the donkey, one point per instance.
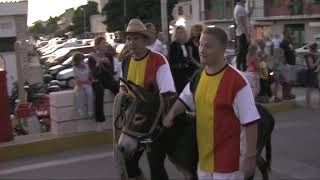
[[138, 121]]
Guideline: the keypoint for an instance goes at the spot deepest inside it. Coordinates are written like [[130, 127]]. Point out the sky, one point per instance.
[[43, 9]]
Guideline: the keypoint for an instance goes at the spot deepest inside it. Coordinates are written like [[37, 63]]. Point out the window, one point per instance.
[[278, 3], [217, 6], [180, 10], [229, 8], [7, 44]]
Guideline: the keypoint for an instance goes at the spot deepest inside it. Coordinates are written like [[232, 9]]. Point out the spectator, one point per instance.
[[104, 69], [266, 59], [276, 40], [241, 17], [278, 72], [263, 95], [253, 73], [290, 60], [312, 61], [83, 89], [179, 58], [155, 44], [193, 45]]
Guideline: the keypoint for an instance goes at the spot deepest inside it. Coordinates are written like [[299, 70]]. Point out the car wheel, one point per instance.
[[71, 83]]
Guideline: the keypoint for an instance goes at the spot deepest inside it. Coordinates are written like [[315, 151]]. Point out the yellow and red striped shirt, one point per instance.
[[223, 102]]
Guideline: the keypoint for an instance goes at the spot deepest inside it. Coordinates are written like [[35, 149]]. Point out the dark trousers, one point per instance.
[[98, 90], [264, 87], [156, 159], [242, 47]]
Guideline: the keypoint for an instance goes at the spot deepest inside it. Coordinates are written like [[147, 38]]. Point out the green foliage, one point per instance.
[[146, 10], [37, 28]]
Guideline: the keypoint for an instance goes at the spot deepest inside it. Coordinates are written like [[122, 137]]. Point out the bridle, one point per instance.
[[143, 138]]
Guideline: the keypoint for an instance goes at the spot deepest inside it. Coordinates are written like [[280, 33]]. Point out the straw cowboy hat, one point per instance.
[[135, 26]]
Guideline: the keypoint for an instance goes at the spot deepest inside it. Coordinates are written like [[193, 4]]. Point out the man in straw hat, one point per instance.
[[149, 70]]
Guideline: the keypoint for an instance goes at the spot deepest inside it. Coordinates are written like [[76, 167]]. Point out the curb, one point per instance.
[[283, 106], [56, 144], [69, 142]]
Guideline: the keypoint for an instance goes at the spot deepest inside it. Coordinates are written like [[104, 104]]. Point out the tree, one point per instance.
[[146, 10], [37, 28], [81, 18], [52, 25]]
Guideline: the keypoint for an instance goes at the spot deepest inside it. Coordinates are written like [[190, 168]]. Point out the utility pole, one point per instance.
[[84, 20], [164, 21], [125, 13], [19, 62]]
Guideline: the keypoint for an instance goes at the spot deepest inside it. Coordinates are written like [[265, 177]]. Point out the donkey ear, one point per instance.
[[138, 91]]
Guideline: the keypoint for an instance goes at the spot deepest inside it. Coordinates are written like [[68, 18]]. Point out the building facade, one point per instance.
[[301, 17], [65, 19], [13, 27]]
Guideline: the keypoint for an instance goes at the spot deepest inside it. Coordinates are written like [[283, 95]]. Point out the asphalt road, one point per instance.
[[295, 143]]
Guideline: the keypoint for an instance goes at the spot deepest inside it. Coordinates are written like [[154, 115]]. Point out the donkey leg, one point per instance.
[[156, 159], [263, 167], [187, 174]]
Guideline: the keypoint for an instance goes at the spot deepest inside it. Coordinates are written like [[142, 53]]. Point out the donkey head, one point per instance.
[[141, 117]]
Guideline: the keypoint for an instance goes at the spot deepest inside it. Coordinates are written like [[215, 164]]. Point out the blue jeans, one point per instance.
[[84, 96]]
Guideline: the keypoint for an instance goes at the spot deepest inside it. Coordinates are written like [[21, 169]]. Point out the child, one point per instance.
[[83, 89], [264, 83], [278, 72], [252, 70]]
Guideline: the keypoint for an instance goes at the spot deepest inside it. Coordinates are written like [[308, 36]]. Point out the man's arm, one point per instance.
[[177, 108], [251, 132]]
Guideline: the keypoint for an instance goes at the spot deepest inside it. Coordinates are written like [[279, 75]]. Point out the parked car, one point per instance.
[[66, 78], [66, 53], [54, 70]]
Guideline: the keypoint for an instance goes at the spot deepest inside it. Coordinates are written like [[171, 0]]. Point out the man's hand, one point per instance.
[[168, 120], [249, 166]]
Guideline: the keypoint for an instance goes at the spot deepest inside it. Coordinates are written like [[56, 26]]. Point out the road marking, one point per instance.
[[53, 163]]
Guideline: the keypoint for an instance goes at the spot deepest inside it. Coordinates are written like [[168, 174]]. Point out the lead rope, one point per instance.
[[119, 160]]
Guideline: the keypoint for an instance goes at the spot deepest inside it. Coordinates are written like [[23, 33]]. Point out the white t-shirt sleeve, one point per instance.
[[187, 98], [245, 107], [164, 78]]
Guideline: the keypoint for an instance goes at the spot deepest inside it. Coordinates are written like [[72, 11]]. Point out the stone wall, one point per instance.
[[66, 120]]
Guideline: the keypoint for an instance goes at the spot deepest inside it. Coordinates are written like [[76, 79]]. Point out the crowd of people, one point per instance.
[[269, 63]]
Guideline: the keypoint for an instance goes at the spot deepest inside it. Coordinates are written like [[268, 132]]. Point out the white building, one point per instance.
[[302, 18], [13, 27], [96, 21]]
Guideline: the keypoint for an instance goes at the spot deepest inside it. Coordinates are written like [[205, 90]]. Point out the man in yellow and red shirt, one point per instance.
[[225, 113], [151, 71]]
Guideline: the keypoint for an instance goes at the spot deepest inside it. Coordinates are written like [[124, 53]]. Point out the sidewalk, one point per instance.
[[44, 143]]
